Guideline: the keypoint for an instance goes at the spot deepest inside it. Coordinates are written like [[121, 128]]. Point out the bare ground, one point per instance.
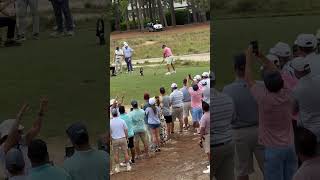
[[181, 159]]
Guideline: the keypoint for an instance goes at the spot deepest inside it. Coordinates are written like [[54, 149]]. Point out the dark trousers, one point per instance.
[[10, 23], [61, 9], [129, 64], [113, 69]]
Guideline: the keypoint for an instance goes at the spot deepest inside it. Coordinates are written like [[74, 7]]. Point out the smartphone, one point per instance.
[[69, 151], [189, 76], [255, 47]]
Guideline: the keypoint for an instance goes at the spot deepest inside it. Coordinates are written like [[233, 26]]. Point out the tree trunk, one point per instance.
[[139, 5], [150, 11], [127, 19], [161, 14], [172, 12], [117, 15], [194, 11]]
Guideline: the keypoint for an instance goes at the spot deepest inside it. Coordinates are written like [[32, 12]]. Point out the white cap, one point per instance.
[[112, 101], [205, 74], [203, 82], [306, 40], [273, 58], [281, 49], [197, 77], [125, 44], [300, 64], [6, 126], [152, 101], [174, 85]]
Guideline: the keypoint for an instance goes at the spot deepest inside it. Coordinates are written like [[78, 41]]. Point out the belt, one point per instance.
[[245, 126], [176, 107], [221, 144]]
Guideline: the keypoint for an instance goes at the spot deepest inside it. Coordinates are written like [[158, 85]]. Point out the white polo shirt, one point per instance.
[[117, 127], [118, 54], [176, 98], [314, 62], [306, 93]]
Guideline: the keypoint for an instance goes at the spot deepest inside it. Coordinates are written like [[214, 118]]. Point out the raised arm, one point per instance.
[[266, 63], [5, 5], [13, 136], [248, 70], [37, 124]]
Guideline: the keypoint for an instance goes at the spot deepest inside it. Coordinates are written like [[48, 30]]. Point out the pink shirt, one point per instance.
[[275, 110], [196, 98], [205, 122], [290, 83], [167, 52]]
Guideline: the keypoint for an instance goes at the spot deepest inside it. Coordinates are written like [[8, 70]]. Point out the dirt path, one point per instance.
[[168, 30], [181, 159]]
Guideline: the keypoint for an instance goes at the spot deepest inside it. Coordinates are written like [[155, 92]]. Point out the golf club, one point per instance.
[[158, 68]]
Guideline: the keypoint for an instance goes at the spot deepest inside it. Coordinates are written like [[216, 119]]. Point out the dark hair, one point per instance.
[[273, 80], [307, 50], [195, 87], [239, 62], [163, 46], [305, 142], [38, 151], [185, 81], [146, 96], [205, 106], [122, 109], [162, 90], [117, 48], [82, 139]]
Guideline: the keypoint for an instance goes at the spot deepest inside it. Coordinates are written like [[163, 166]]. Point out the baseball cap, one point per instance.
[[6, 126], [174, 85], [281, 49], [273, 58], [134, 102], [300, 64], [306, 40], [14, 159], [125, 44], [203, 82], [114, 111], [205, 74], [197, 77], [152, 101], [76, 131], [112, 101]]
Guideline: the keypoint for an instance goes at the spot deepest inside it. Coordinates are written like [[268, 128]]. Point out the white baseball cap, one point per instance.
[[112, 101], [6, 126], [174, 85], [152, 101], [281, 49], [197, 77], [273, 58], [205, 74], [306, 40], [300, 64], [125, 44]]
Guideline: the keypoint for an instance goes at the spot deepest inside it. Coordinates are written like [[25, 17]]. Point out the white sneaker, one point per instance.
[[123, 164], [168, 73], [117, 169], [174, 71], [208, 167], [207, 171], [128, 167]]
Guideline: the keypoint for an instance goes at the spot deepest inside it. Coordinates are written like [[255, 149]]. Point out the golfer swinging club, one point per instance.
[[168, 56]]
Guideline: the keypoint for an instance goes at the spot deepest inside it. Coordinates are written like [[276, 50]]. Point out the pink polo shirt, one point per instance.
[[167, 52], [196, 98], [290, 83], [275, 122]]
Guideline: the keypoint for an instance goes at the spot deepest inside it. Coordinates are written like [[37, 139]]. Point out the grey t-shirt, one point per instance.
[[186, 94], [222, 113], [246, 108], [306, 93], [166, 106]]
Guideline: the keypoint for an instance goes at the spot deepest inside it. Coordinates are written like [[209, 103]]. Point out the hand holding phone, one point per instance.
[[255, 47]]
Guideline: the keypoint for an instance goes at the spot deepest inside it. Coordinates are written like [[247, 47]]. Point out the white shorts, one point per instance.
[[169, 60]]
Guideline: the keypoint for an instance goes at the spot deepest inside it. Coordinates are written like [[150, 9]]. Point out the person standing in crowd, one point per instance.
[[61, 9], [186, 103], [245, 123], [153, 114], [306, 95], [22, 11], [15, 164], [86, 162], [275, 128], [221, 144], [128, 52], [306, 148], [307, 44], [8, 19], [205, 132], [138, 115], [41, 167], [176, 99], [168, 57], [146, 98], [165, 104], [118, 54], [163, 125], [127, 119], [196, 104], [283, 52]]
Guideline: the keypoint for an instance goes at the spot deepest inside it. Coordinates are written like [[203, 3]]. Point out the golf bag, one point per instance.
[[100, 31]]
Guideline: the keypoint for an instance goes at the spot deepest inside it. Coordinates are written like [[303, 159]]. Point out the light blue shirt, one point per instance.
[[92, 164], [48, 172], [153, 118], [127, 52], [137, 116], [128, 120]]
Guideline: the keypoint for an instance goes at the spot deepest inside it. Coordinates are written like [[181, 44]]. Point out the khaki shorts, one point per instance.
[[169, 60], [177, 113], [246, 145], [119, 144], [186, 109], [206, 144], [223, 162]]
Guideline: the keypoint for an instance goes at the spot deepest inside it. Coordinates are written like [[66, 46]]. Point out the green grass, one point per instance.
[[194, 42], [56, 68], [133, 86], [232, 36]]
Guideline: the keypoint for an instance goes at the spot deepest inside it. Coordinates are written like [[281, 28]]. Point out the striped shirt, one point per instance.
[[222, 113], [176, 98]]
